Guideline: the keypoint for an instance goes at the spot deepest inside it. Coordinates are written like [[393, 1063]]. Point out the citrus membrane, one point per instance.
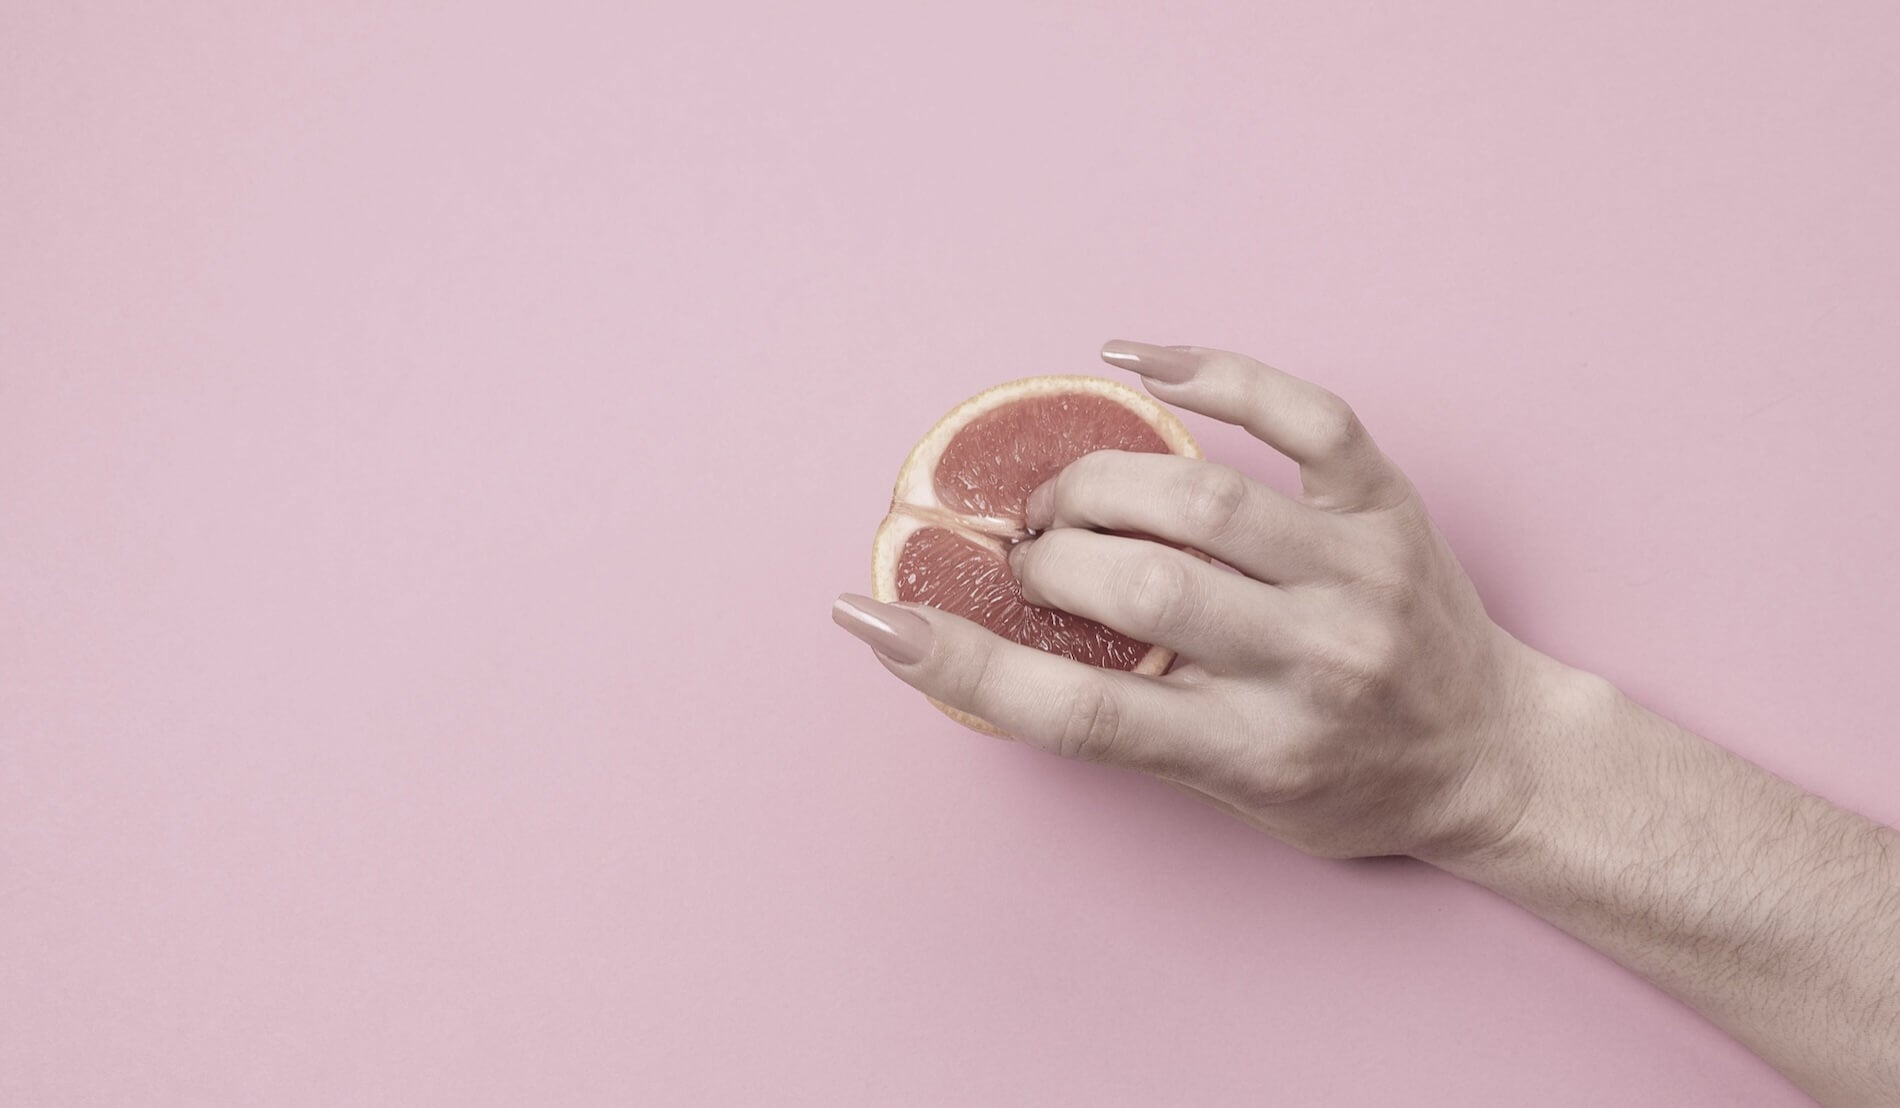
[[959, 502]]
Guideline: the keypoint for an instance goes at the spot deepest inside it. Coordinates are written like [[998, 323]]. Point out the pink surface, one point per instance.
[[429, 444]]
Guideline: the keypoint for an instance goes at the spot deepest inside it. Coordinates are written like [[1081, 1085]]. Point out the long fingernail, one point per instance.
[[901, 636], [1170, 364]]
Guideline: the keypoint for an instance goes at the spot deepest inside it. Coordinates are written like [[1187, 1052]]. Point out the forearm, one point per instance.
[[1772, 912], [1345, 691]]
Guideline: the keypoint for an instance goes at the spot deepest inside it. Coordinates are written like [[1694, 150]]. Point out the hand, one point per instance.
[[1342, 688]]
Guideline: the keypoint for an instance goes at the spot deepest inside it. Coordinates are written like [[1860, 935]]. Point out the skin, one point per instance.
[[1342, 689]]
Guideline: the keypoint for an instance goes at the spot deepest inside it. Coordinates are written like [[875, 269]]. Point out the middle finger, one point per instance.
[[1209, 507], [1154, 593]]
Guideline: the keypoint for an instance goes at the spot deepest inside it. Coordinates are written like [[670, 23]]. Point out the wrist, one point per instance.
[[1551, 720]]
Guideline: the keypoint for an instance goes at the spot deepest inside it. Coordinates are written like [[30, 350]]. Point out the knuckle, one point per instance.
[[1158, 596], [1295, 780], [1392, 590], [1283, 779], [1214, 499], [1393, 560], [1379, 653], [1336, 426], [1091, 727], [1356, 668]]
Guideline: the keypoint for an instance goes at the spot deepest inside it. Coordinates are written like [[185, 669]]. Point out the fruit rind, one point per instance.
[[914, 487]]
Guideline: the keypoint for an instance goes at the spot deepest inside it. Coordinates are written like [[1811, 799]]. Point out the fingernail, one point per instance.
[[1170, 364], [1039, 509], [901, 636], [1014, 556]]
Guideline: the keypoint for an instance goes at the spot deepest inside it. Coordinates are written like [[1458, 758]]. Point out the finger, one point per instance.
[[1046, 701], [1209, 507], [1151, 592], [1340, 466]]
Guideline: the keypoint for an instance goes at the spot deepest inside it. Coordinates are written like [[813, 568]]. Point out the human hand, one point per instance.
[[1342, 689]]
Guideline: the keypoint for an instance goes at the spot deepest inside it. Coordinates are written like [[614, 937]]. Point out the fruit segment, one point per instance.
[[958, 508], [943, 569], [990, 466]]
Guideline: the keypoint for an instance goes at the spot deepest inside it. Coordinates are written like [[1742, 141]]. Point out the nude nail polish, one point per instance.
[[899, 635], [1168, 364]]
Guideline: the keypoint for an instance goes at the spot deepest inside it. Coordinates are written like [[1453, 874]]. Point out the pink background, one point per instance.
[[430, 441]]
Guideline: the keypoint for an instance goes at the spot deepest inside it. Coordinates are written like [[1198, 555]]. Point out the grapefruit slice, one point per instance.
[[958, 509]]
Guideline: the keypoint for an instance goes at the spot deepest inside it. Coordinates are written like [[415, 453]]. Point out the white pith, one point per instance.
[[915, 504]]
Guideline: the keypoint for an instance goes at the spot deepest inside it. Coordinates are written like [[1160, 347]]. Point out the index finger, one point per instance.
[[1340, 466]]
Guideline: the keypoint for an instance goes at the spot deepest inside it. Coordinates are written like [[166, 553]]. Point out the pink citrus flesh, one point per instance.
[[958, 508]]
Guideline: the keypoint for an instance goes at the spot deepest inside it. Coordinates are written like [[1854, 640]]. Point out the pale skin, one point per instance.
[[1341, 688]]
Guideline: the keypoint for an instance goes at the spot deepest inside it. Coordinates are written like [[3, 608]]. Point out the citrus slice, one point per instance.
[[958, 509]]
